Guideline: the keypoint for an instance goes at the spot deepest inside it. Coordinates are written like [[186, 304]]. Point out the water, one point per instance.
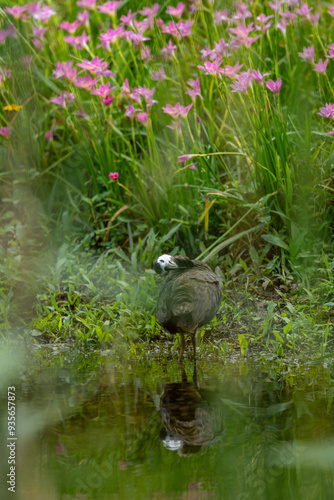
[[91, 428]]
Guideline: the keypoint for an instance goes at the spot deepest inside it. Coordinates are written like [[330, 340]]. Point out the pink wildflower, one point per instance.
[[258, 77], [304, 10], [85, 82], [146, 93], [49, 135], [64, 70], [16, 11], [41, 13], [242, 31], [231, 71], [89, 4], [109, 8], [220, 48], [142, 118], [327, 111], [176, 11], [320, 67], [194, 89], [113, 176], [212, 68], [70, 27], [145, 53], [331, 11], [221, 16], [5, 131], [111, 36], [177, 110], [276, 5], [168, 50], [83, 18], [248, 41], [242, 12], [207, 52], [63, 99], [78, 42], [158, 75], [275, 87], [244, 80], [150, 12], [331, 51], [94, 65], [103, 90], [38, 32], [184, 158], [307, 54], [127, 20], [131, 111]]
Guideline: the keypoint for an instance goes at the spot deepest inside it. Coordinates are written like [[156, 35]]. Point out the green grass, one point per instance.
[[258, 208]]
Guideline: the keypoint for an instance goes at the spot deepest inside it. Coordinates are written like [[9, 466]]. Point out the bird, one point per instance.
[[189, 297]]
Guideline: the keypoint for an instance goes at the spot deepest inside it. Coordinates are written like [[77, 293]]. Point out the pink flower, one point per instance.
[[109, 8], [220, 48], [103, 90], [146, 53], [244, 80], [221, 16], [150, 12], [63, 99], [177, 110], [160, 74], [248, 41], [307, 54], [320, 67], [38, 44], [275, 87], [5, 131], [9, 32], [83, 18], [111, 36], [181, 29], [70, 27], [49, 135], [176, 11], [78, 42], [331, 51], [127, 20], [231, 71], [331, 12], [327, 111], [85, 82], [212, 68], [38, 32], [64, 70], [242, 12], [258, 77], [184, 158], [242, 31], [304, 10], [41, 13], [90, 4], [142, 118], [94, 65], [5, 73], [195, 86], [16, 11], [168, 50], [113, 176], [146, 93], [331, 132], [131, 111]]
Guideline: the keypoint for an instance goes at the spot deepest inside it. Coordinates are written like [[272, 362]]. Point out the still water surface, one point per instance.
[[154, 430]]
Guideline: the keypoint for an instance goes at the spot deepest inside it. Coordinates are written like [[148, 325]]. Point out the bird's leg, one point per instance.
[[183, 344], [193, 338]]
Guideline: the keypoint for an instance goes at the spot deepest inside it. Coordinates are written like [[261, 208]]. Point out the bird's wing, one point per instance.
[[175, 298]]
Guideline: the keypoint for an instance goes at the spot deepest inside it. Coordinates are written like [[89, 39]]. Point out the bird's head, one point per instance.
[[164, 263]]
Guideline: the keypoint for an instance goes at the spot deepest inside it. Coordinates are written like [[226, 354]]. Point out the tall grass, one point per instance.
[[253, 148]]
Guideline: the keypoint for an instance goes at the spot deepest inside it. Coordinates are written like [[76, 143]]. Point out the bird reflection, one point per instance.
[[192, 417]]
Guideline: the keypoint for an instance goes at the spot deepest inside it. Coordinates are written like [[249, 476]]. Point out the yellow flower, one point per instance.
[[13, 107]]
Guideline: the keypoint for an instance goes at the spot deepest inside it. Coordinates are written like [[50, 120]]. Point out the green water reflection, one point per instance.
[[142, 432]]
